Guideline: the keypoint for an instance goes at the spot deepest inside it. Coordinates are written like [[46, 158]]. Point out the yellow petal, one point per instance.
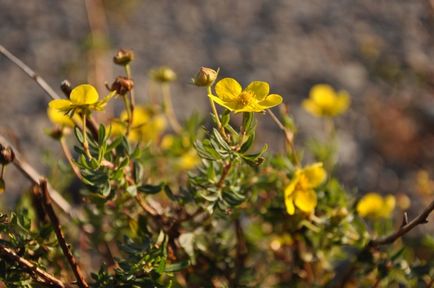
[[259, 88], [60, 104], [228, 89], [227, 104], [342, 102], [84, 94], [389, 205], [315, 175], [305, 200], [310, 106], [271, 101], [370, 205], [323, 95], [289, 204], [117, 128], [289, 190], [59, 118]]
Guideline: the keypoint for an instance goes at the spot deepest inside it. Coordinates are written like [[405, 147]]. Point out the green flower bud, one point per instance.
[[205, 77], [163, 74]]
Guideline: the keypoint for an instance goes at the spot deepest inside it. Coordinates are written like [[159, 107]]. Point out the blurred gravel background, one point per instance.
[[380, 51]]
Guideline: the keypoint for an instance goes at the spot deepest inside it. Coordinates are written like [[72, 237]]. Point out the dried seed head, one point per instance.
[[122, 85], [123, 57], [6, 155]]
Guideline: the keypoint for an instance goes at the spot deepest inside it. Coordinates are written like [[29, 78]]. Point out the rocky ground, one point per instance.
[[381, 52]]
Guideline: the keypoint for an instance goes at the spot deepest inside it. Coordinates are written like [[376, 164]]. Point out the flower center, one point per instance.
[[245, 98]]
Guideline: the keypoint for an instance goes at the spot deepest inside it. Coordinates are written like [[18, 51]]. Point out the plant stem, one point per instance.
[[26, 69], [289, 136], [168, 108], [129, 114], [132, 96], [404, 229], [216, 115], [46, 202], [31, 268], [34, 176], [68, 157], [85, 143]]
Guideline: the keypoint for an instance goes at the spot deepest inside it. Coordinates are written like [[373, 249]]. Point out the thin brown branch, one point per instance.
[[32, 74], [34, 176], [68, 156], [289, 136], [225, 172], [46, 202], [422, 218], [32, 269], [241, 252]]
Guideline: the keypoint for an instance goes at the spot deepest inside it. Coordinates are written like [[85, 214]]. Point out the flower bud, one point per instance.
[[163, 74], [6, 155], [205, 77], [123, 57], [122, 85]]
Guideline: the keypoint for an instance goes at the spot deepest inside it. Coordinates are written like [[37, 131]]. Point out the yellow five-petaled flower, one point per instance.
[[324, 101], [83, 98], [255, 98], [300, 191]]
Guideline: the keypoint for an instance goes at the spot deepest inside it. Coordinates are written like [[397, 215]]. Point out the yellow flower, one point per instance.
[[145, 126], [375, 206], [83, 97], [300, 191], [325, 102], [188, 160], [59, 118], [254, 98]]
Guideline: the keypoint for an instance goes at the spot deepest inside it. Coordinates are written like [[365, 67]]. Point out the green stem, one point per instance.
[[2, 172], [216, 115], [85, 143], [131, 93], [289, 136], [168, 108], [129, 114]]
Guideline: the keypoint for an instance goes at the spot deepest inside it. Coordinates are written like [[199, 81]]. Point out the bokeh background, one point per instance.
[[380, 51]]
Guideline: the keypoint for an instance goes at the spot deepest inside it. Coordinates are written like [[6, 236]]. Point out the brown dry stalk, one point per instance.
[[32, 74], [31, 268], [422, 218], [46, 202], [34, 176]]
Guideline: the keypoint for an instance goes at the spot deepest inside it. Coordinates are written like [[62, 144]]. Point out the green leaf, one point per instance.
[[175, 267], [101, 134], [78, 134], [149, 189]]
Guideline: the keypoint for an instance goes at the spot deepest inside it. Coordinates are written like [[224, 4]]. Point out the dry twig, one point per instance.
[[46, 202], [32, 269]]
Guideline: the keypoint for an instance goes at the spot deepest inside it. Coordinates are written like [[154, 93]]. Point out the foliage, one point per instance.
[[198, 204]]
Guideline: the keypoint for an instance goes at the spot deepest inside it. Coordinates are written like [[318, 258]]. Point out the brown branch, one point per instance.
[[68, 156], [32, 269], [225, 172], [422, 218], [405, 227], [46, 202], [26, 69], [34, 176]]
